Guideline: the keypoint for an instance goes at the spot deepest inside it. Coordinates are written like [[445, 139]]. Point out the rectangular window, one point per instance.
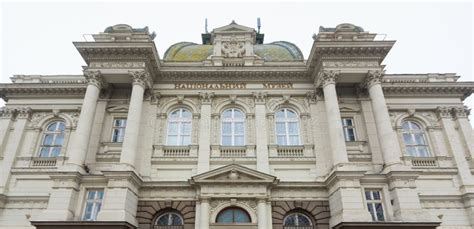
[[93, 204], [118, 130], [349, 129], [374, 204]]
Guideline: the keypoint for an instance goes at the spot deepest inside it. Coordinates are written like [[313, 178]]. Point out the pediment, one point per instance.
[[346, 108], [233, 27], [117, 108], [233, 173]]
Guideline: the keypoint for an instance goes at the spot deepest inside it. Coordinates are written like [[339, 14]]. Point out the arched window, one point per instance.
[[297, 220], [169, 219], [414, 139], [233, 127], [233, 215], [179, 127], [53, 138], [287, 127]]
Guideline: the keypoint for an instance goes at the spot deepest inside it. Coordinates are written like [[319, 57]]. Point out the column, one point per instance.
[[205, 134], [80, 143], [261, 133], [204, 214], [388, 139], [337, 142], [13, 144], [460, 115], [455, 145], [262, 214], [141, 80]]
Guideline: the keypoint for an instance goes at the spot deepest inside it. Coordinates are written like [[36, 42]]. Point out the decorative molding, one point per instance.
[[459, 90], [461, 111], [327, 77], [24, 112], [94, 78], [206, 97], [118, 64], [350, 64], [373, 78], [142, 78], [8, 112], [259, 97]]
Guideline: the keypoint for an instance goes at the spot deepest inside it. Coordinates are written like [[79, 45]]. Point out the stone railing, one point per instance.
[[44, 162], [162, 151], [424, 162], [233, 151], [176, 151], [290, 151], [167, 227]]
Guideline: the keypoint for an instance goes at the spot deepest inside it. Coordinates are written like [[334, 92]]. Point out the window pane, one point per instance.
[[186, 128], [240, 216], [423, 151], [408, 139], [405, 126], [163, 220], [411, 151], [419, 139], [414, 126], [44, 152], [88, 212], [55, 152], [280, 128], [227, 114], [226, 140], [294, 140], [379, 211], [239, 128], [175, 114], [186, 114], [281, 140], [173, 128], [376, 195], [172, 140], [291, 114], [239, 141], [280, 114], [238, 114], [226, 128], [48, 139], [176, 220], [185, 140], [350, 135], [290, 221], [52, 126], [225, 217], [61, 126], [371, 211], [59, 139], [367, 195], [303, 220], [90, 195], [293, 128]]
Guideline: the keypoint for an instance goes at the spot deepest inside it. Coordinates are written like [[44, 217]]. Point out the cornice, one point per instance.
[[462, 90], [33, 90]]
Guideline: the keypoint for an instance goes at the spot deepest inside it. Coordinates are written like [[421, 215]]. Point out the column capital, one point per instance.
[[443, 112], [8, 112], [326, 77], [373, 78], [206, 97], [260, 97], [142, 78], [460, 112], [24, 112], [94, 78]]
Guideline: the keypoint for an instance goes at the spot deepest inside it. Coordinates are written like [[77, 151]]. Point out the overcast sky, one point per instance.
[[432, 37]]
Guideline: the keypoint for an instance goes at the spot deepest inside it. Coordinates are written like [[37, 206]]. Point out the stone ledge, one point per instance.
[[82, 224], [386, 225]]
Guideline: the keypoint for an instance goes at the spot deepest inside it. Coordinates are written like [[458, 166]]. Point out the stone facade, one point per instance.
[[327, 142]]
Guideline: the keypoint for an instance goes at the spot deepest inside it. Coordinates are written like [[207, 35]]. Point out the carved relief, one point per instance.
[[118, 65], [142, 78], [327, 77], [94, 78], [350, 64], [233, 48], [372, 78]]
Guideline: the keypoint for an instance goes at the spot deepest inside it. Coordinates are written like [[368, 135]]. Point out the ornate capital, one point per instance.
[[327, 77], [260, 97], [443, 112], [141, 78], [24, 112], [8, 113], [206, 97], [461, 111], [94, 78], [372, 78]]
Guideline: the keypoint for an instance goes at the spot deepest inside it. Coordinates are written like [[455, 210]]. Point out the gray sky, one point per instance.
[[432, 37]]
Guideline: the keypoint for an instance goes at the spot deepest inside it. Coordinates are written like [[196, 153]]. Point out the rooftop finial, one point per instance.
[[258, 24], [205, 26]]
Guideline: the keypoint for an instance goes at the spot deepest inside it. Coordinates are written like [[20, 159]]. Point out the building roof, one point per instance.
[[192, 52]]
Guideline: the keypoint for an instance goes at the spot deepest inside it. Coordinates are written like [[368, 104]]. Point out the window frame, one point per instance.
[[179, 120], [55, 134], [287, 120], [373, 203], [352, 127], [119, 127], [94, 211], [412, 133], [168, 212], [297, 213], [233, 121], [233, 208]]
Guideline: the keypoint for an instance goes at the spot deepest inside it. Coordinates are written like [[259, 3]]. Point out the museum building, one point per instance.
[[236, 133]]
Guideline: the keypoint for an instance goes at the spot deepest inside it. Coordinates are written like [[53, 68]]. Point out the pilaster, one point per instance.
[[205, 133], [261, 133]]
